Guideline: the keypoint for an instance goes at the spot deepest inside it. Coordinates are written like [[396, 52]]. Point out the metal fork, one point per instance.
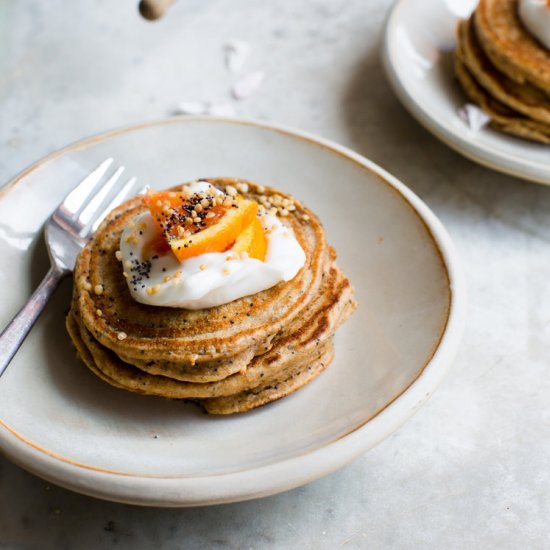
[[66, 232]]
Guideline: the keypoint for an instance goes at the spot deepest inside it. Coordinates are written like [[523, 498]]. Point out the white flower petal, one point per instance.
[[473, 116], [247, 85], [192, 108]]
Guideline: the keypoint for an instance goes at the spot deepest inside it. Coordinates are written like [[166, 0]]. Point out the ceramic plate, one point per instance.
[[418, 56], [62, 423]]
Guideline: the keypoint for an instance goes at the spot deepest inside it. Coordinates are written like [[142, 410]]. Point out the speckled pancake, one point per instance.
[[250, 399], [523, 98], [317, 321], [186, 337], [264, 345], [244, 401], [502, 117], [291, 350], [508, 44]]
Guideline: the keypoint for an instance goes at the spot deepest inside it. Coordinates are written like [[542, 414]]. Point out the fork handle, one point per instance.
[[13, 335]]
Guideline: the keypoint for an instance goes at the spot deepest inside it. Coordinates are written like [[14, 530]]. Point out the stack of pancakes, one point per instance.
[[230, 358], [505, 70]]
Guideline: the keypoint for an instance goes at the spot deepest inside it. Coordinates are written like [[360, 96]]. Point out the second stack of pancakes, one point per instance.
[[505, 70]]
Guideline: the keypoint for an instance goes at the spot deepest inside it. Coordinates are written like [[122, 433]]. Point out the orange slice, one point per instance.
[[219, 236], [173, 214], [252, 241], [157, 246], [170, 210]]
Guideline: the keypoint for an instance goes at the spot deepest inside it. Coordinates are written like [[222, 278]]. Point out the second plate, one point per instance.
[[418, 50]]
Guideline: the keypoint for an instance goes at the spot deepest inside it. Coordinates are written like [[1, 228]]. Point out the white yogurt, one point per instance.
[[206, 280], [535, 15]]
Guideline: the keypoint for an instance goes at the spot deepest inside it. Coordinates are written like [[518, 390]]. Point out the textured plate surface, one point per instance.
[[62, 423], [418, 45]]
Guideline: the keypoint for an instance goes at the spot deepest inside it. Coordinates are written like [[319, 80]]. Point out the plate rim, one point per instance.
[[177, 491], [486, 156]]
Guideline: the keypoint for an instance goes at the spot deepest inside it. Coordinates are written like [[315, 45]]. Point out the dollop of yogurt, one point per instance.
[[206, 280], [535, 15]]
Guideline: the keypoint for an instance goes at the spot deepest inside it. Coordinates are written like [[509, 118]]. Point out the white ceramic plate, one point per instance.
[[418, 45], [62, 423]]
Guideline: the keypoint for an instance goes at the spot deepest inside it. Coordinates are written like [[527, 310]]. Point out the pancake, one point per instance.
[[523, 98], [188, 337], [320, 316], [205, 371], [247, 400], [228, 358], [502, 117], [509, 45], [237, 403], [297, 346]]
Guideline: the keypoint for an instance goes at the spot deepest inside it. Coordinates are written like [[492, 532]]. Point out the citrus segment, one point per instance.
[[252, 241]]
